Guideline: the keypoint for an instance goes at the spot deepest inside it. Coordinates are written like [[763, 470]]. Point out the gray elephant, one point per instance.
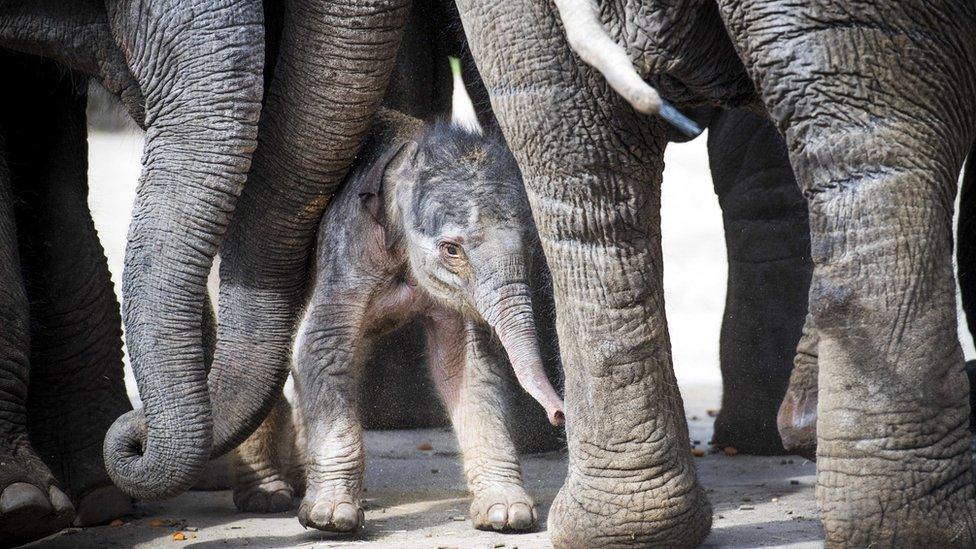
[[434, 224], [876, 105], [194, 83]]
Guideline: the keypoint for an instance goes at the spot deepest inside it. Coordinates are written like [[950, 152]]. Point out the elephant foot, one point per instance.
[[27, 513], [874, 512], [628, 517], [331, 512], [273, 496], [797, 420], [101, 506], [749, 427], [503, 508], [31, 506]]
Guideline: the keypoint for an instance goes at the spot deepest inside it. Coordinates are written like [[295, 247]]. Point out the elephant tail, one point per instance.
[[588, 38]]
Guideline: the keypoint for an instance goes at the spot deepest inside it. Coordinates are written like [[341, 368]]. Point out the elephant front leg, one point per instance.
[[327, 380], [468, 369], [878, 122], [31, 505], [592, 169], [263, 464], [76, 387]]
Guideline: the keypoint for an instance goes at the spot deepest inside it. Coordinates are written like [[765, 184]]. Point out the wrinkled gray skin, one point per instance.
[[194, 84], [337, 57], [797, 420], [876, 103], [435, 224]]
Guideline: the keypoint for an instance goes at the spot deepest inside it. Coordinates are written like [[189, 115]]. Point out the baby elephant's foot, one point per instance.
[[503, 508], [265, 496], [332, 512]]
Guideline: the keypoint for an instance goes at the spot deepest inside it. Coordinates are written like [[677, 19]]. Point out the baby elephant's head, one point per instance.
[[466, 222], [462, 217]]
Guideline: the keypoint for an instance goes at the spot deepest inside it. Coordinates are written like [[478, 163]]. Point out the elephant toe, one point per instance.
[[22, 498], [504, 509], [27, 513], [332, 514]]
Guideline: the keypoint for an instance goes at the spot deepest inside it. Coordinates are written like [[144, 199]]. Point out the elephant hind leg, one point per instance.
[[894, 464], [768, 245]]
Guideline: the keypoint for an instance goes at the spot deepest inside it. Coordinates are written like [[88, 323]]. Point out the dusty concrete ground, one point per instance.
[[417, 499]]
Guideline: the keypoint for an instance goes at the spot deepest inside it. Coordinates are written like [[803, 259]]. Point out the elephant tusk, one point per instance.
[[588, 38]]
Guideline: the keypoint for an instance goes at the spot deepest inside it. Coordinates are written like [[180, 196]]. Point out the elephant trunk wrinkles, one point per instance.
[[336, 57], [507, 307], [202, 108]]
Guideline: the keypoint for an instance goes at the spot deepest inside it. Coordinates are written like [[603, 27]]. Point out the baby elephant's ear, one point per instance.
[[391, 163]]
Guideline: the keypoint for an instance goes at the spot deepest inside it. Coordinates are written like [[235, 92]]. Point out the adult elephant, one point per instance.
[[877, 108], [192, 79]]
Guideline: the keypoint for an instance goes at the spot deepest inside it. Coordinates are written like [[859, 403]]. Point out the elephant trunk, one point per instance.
[[201, 77], [507, 307], [336, 57]]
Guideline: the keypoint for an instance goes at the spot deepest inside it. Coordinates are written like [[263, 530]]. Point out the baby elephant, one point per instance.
[[435, 225]]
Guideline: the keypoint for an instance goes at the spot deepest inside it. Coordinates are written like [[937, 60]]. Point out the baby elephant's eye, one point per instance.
[[451, 250]]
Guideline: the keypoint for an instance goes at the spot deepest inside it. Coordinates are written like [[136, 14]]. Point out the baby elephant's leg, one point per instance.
[[263, 463], [468, 369], [326, 377]]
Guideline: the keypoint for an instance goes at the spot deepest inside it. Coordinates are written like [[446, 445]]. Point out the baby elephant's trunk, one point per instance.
[[505, 303]]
